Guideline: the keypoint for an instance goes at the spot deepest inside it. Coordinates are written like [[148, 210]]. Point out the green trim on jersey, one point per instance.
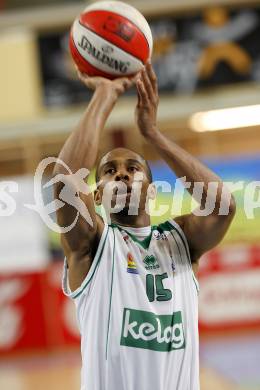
[[196, 282], [144, 243], [165, 226], [89, 277], [183, 242], [111, 291], [186, 250]]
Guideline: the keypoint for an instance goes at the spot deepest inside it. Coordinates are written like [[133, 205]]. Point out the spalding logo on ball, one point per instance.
[[110, 39]]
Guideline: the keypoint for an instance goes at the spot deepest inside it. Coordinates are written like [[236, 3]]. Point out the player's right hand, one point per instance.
[[118, 86]]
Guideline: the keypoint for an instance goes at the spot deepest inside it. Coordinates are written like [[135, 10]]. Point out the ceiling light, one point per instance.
[[228, 118]]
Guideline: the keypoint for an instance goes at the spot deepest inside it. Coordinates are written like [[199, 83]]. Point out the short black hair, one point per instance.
[[148, 169]]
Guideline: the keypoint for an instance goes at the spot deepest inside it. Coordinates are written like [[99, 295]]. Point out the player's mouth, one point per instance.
[[122, 191], [122, 188]]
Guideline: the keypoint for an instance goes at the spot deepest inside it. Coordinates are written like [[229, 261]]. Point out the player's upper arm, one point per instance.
[[83, 227], [205, 232], [77, 216]]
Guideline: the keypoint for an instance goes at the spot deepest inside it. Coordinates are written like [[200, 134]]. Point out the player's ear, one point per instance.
[[151, 192], [97, 197]]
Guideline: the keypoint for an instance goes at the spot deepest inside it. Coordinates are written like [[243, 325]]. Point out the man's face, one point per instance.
[[123, 180]]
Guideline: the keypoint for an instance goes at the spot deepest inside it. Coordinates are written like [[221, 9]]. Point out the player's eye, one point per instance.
[[110, 171], [133, 168]]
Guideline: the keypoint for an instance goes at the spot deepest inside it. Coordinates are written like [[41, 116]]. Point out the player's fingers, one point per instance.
[[137, 76], [137, 80], [138, 99], [121, 85], [79, 74], [86, 80], [82, 76], [147, 84], [142, 92], [152, 76], [126, 83]]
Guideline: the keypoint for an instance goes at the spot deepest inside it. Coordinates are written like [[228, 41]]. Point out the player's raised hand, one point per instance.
[[117, 86], [148, 100]]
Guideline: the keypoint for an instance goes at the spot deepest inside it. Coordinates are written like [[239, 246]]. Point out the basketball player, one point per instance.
[[134, 285]]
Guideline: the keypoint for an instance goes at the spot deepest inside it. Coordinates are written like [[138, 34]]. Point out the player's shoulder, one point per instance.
[[173, 227], [179, 221], [171, 224]]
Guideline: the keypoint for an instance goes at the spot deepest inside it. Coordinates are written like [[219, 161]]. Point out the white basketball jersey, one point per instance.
[[137, 311]]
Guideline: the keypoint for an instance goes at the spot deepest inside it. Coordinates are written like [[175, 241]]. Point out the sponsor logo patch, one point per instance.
[[143, 329], [159, 236], [131, 264], [150, 262]]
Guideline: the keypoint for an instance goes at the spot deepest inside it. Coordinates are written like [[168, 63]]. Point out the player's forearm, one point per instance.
[[184, 164], [81, 148]]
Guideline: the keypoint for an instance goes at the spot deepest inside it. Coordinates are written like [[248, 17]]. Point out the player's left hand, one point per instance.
[[117, 86], [148, 100]]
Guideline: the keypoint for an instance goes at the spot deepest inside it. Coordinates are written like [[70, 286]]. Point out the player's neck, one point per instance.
[[136, 221]]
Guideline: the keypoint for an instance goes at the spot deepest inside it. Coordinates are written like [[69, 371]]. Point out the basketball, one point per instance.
[[110, 39]]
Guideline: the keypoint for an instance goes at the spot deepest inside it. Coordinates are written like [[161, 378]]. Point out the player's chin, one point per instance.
[[122, 212]]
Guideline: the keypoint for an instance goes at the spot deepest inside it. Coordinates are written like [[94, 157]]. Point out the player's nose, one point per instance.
[[122, 175]]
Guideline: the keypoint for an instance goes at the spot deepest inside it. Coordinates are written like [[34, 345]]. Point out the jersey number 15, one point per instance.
[[155, 289]]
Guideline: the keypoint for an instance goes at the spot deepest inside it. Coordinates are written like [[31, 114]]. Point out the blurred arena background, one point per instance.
[[207, 58]]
